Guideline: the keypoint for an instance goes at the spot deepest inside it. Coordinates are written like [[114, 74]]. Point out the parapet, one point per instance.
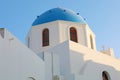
[[109, 52]]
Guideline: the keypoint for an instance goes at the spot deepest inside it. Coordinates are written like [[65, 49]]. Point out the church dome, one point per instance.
[[58, 14]]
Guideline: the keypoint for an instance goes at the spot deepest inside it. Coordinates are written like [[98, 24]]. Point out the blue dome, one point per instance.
[[58, 14]]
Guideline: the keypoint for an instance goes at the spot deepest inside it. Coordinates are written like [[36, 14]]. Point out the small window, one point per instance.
[[105, 76], [73, 34], [45, 37], [91, 42]]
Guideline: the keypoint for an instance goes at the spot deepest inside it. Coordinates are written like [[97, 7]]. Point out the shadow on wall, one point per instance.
[[106, 72], [92, 69]]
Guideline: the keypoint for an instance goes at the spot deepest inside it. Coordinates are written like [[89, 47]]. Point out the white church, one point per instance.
[[60, 46]]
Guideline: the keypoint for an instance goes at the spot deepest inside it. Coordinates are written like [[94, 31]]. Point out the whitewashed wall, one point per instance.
[[35, 35], [17, 62], [78, 62], [59, 31], [89, 64]]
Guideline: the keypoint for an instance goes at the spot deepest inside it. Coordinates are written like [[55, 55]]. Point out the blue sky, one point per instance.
[[103, 17]]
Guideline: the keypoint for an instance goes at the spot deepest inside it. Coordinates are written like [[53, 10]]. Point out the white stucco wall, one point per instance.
[[74, 61], [88, 34], [59, 31], [64, 29], [91, 64], [62, 50], [78, 62], [52, 65], [35, 35], [68, 61], [96, 56], [17, 62]]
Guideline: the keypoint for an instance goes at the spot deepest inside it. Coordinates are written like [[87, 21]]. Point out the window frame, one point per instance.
[[73, 34], [45, 37]]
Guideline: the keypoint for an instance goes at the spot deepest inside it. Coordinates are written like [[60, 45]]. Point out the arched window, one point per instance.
[[45, 37], [73, 34], [105, 76], [91, 42]]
